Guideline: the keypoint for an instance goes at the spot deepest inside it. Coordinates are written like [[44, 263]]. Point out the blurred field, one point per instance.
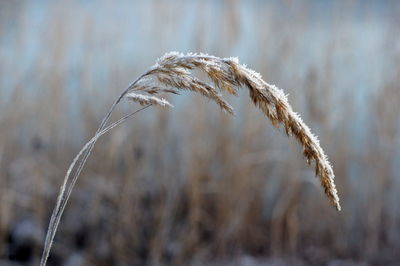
[[192, 185]]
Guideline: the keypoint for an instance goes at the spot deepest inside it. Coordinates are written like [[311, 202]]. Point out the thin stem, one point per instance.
[[62, 196], [61, 206]]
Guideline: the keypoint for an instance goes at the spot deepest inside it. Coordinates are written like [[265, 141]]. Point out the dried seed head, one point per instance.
[[172, 72]]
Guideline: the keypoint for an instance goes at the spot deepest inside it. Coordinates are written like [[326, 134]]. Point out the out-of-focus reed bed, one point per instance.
[[198, 187]]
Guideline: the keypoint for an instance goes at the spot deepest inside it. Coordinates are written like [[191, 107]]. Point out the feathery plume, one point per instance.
[[173, 70]]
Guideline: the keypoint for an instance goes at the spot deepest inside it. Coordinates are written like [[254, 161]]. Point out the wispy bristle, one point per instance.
[[145, 100]]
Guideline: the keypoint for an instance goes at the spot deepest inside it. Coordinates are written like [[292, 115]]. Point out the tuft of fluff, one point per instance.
[[146, 99]]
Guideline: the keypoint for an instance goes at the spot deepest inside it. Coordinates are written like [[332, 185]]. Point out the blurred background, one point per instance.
[[192, 185]]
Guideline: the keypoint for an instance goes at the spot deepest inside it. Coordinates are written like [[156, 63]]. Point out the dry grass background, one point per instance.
[[195, 186]]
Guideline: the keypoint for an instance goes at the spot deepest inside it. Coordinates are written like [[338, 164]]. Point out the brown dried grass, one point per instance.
[[173, 72]]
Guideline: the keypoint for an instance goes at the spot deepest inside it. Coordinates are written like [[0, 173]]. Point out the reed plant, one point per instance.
[[175, 72]]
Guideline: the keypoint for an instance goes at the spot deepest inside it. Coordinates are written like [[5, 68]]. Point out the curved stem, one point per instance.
[[85, 152]]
